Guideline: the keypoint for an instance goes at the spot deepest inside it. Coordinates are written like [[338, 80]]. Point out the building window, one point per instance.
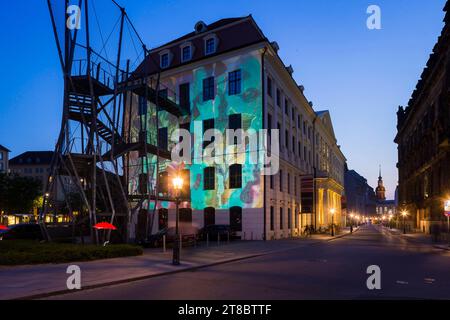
[[281, 218], [296, 218], [164, 60], [185, 96], [207, 125], [186, 53], [186, 215], [289, 218], [289, 183], [235, 176], [234, 82], [269, 87], [272, 219], [293, 114], [142, 106], [209, 216], [271, 181], [236, 218], [210, 46], [286, 139], [186, 192], [286, 106], [293, 145], [163, 182], [235, 123], [281, 180], [208, 89], [299, 122], [299, 149], [209, 178], [163, 218], [1, 155], [163, 138], [278, 97], [279, 133]]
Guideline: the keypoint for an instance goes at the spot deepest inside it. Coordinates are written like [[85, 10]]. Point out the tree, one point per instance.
[[18, 194]]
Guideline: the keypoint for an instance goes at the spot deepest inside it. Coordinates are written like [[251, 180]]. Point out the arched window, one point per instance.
[[163, 218], [209, 215], [236, 218]]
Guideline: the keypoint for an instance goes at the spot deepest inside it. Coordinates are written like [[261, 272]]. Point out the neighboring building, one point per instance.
[[32, 164], [359, 194], [423, 139], [384, 207], [227, 75], [371, 205], [4, 156], [36, 165], [329, 164]]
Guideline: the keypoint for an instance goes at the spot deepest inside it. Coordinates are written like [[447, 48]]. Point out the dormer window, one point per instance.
[[211, 42], [187, 51], [165, 58]]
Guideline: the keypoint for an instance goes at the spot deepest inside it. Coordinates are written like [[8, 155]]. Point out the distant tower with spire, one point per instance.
[[380, 190]]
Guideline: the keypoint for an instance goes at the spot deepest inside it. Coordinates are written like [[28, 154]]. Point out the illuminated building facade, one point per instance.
[[227, 75]]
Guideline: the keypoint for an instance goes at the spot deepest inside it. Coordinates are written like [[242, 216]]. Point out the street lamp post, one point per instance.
[[177, 186], [404, 214], [332, 221]]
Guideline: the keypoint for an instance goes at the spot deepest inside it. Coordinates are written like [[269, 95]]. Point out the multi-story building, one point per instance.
[[227, 75], [36, 165], [32, 164], [423, 139], [358, 194], [4, 156], [329, 164]]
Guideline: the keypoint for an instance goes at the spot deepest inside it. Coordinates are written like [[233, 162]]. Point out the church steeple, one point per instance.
[[380, 190]]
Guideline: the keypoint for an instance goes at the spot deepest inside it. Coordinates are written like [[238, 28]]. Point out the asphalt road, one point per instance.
[[333, 270]]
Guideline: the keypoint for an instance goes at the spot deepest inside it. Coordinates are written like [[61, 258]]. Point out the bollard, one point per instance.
[[164, 243]]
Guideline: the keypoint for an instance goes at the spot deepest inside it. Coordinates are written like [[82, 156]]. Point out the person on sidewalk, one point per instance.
[[351, 228]]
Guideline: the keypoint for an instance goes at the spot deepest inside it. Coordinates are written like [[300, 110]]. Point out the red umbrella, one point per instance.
[[2, 227], [104, 226]]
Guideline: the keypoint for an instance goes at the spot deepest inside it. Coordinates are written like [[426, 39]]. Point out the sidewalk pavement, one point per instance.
[[419, 237], [35, 281]]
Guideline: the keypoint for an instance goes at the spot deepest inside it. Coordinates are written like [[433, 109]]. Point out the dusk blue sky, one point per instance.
[[360, 75]]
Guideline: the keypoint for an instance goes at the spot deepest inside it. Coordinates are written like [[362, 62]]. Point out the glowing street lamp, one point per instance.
[[177, 186], [332, 211], [404, 215]]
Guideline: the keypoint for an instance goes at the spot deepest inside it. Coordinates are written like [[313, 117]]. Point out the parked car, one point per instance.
[[217, 230], [22, 231], [188, 234]]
